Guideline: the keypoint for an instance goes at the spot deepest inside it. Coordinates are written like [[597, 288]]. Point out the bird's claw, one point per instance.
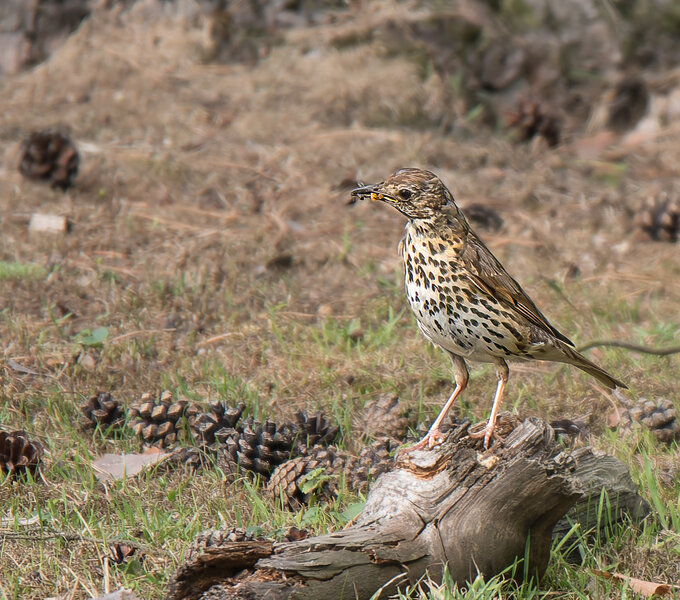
[[486, 433], [431, 439]]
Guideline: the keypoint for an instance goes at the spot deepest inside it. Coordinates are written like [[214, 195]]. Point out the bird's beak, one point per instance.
[[368, 191]]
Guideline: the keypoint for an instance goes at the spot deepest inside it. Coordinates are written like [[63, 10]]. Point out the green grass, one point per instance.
[[276, 362], [17, 270], [158, 513], [161, 513]]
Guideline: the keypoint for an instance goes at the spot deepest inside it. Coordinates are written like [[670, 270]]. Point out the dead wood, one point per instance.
[[454, 505], [597, 473]]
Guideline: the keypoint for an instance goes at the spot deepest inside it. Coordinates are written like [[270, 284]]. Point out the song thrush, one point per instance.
[[463, 299]]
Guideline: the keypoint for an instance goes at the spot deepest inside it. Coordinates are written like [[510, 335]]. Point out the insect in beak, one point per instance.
[[367, 191]]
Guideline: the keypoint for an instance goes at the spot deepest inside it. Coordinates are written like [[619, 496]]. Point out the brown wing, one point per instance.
[[489, 275]]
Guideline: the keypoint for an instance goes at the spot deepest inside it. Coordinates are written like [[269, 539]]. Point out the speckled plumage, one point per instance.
[[464, 300]]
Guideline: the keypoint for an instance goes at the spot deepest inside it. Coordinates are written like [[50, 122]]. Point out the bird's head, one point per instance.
[[418, 194]]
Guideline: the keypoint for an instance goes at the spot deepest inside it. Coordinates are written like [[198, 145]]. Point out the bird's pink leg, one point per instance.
[[433, 436], [487, 432]]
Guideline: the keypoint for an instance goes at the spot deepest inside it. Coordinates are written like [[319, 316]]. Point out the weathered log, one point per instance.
[[475, 511], [598, 472]]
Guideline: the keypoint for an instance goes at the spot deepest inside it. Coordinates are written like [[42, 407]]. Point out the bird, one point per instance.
[[464, 300]]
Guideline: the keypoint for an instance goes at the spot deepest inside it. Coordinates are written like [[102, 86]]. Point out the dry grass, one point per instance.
[[196, 179]]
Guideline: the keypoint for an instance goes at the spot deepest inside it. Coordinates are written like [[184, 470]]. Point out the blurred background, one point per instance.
[[174, 186]]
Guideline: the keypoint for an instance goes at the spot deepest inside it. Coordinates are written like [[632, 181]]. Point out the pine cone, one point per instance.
[[659, 418], [385, 416], [315, 430], [451, 422], [159, 421], [204, 425], [101, 409], [659, 217], [50, 156], [283, 483], [289, 481], [667, 469], [19, 454], [211, 538], [374, 460], [190, 459], [531, 119], [257, 447]]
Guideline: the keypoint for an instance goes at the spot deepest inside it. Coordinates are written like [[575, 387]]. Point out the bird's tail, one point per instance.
[[578, 360]]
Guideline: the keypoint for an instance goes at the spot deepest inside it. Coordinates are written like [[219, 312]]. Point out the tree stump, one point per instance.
[[475, 511]]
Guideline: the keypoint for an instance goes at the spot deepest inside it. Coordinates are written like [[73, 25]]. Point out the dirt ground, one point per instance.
[[210, 233]]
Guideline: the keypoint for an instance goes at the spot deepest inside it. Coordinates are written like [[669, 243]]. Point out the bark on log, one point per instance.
[[454, 505], [596, 472]]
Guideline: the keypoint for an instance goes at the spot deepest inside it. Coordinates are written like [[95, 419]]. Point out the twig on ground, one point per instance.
[[66, 536], [630, 346], [129, 334], [217, 338]]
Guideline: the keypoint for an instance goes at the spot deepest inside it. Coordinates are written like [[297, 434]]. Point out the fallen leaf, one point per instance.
[[640, 586], [19, 368], [120, 466], [121, 551]]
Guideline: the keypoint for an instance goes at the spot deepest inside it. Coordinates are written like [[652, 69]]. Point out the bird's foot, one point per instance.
[[486, 433], [431, 439]]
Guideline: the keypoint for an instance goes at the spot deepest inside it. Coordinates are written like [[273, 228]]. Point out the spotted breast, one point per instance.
[[450, 310]]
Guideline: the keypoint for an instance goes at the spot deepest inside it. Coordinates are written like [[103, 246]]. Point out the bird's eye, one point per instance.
[[405, 194]]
